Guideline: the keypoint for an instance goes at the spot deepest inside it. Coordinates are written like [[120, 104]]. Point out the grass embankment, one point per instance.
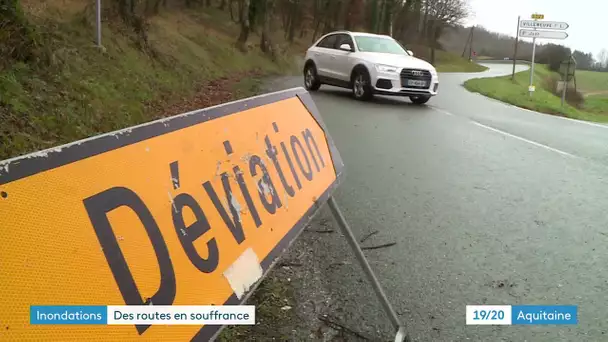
[[450, 62], [446, 61], [543, 100], [79, 91]]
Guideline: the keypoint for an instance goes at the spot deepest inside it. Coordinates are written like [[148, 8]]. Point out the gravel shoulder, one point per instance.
[[313, 291]]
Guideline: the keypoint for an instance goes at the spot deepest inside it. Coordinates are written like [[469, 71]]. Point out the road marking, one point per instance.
[[570, 119], [524, 139], [442, 111]]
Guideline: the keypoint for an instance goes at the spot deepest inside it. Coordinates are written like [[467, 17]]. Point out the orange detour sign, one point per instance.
[[189, 210]]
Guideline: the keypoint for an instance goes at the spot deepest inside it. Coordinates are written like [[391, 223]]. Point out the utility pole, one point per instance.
[[471, 43], [98, 20], [515, 52]]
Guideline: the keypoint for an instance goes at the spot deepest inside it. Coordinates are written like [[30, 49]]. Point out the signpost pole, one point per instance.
[[531, 88], [98, 20], [352, 241], [515, 52], [532, 66]]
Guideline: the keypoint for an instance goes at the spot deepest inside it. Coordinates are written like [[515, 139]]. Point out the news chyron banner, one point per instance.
[[187, 210]]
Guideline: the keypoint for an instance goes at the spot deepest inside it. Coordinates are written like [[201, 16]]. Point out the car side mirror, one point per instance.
[[345, 47], [410, 52]]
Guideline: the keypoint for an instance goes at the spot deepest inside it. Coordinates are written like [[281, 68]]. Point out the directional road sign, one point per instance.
[[549, 25], [538, 16], [543, 34]]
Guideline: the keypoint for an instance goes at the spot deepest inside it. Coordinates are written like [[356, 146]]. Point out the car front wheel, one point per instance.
[[420, 99], [362, 89], [311, 80]]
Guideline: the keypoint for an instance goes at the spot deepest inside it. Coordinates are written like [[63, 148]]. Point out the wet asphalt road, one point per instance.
[[488, 204]]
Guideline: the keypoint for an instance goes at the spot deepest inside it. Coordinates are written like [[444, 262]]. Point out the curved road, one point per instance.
[[488, 204]]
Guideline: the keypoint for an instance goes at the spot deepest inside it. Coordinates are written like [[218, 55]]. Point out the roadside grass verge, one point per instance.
[[592, 81], [274, 305], [596, 104], [449, 62], [516, 93], [80, 90], [445, 61]]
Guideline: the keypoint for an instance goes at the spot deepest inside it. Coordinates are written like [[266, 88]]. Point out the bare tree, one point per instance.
[[440, 14], [602, 58]]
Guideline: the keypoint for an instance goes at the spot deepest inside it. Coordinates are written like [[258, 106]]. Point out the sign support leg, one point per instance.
[[352, 241]]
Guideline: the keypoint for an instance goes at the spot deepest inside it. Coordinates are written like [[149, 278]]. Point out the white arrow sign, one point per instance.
[[549, 25], [543, 34]]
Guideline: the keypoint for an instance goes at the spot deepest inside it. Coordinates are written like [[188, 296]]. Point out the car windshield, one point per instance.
[[378, 44]]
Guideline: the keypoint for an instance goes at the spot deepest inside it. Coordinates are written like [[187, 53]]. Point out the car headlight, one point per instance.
[[386, 68], [433, 72]]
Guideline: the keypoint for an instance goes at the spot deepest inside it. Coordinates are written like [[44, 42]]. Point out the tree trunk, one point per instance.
[[287, 18], [425, 22], [245, 25], [404, 22], [324, 17], [230, 8], [373, 16], [316, 31], [208, 3], [416, 17], [152, 7], [436, 34], [388, 17], [336, 14], [294, 20], [380, 23], [266, 42], [131, 8], [222, 5], [240, 5], [349, 14]]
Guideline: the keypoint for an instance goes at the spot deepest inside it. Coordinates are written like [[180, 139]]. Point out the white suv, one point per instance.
[[369, 64]]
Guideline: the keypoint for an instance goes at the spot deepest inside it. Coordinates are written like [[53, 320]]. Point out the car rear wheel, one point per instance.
[[420, 99], [311, 80]]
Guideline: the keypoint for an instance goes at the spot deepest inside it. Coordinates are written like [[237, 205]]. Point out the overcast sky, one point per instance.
[[587, 19]]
